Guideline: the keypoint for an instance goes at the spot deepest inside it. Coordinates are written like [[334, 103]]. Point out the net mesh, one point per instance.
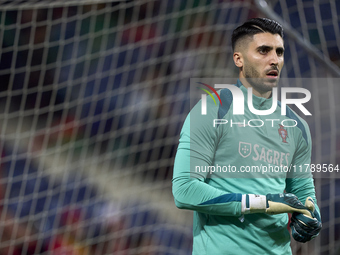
[[92, 99]]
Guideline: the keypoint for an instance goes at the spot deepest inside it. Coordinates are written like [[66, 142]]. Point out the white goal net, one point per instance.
[[93, 95]]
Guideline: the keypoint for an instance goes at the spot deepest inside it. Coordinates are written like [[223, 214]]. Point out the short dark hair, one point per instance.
[[255, 26]]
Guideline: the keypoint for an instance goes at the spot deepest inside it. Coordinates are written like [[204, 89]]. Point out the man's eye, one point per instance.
[[263, 51]]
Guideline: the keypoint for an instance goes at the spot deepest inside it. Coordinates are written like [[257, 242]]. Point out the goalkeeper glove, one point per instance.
[[272, 204], [305, 227]]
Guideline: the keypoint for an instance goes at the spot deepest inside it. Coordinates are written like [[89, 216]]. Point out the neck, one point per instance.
[[256, 92]]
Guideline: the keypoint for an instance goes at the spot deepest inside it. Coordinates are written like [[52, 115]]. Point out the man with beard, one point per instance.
[[238, 210]]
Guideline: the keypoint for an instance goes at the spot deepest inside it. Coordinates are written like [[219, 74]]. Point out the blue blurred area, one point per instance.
[[52, 204]]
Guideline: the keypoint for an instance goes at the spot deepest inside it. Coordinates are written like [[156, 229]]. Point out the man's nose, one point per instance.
[[274, 59]]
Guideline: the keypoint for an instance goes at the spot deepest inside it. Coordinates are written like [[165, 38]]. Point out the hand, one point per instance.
[[305, 228], [273, 204]]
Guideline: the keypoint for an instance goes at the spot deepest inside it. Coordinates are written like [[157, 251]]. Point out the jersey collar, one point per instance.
[[258, 102]]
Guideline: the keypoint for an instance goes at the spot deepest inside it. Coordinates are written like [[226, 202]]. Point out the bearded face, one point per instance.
[[260, 61]]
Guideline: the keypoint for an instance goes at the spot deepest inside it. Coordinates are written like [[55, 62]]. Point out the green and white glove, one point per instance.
[[273, 204], [305, 228]]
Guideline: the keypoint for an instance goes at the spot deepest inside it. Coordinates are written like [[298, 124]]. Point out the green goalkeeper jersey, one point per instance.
[[222, 156]]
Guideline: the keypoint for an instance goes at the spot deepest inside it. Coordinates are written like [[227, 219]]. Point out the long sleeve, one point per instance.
[[302, 184], [198, 142]]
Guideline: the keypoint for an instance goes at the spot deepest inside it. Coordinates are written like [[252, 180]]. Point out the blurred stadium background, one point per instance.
[[93, 95]]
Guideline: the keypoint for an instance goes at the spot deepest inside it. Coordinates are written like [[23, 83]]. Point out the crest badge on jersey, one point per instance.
[[244, 149], [283, 133]]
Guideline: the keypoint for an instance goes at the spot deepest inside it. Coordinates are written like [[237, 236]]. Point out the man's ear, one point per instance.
[[238, 59]]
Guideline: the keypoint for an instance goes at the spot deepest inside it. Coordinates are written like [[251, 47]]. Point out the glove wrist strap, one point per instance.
[[252, 203]]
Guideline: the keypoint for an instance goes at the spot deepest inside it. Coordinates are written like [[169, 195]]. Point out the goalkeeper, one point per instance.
[[243, 213]]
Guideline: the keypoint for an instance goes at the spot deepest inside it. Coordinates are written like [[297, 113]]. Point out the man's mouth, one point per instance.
[[272, 74]]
